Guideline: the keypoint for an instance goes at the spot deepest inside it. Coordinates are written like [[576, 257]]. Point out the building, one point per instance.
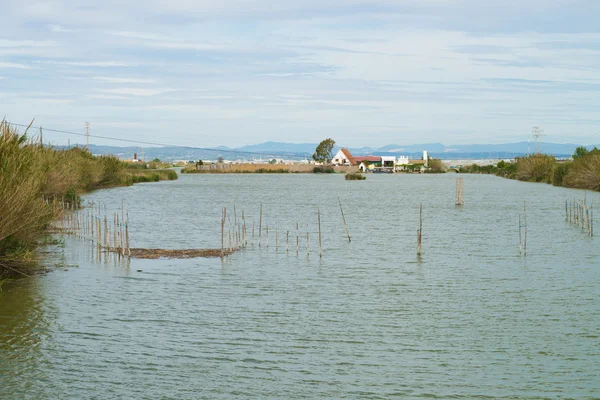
[[343, 157]]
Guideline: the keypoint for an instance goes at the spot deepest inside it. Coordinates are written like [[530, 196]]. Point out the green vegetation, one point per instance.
[[325, 169], [435, 166], [581, 173], [324, 151], [34, 178], [355, 176]]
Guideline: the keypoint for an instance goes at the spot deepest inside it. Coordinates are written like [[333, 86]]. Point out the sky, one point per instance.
[[363, 72]]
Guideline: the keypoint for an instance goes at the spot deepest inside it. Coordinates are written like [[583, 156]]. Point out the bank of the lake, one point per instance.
[[582, 172], [34, 183]]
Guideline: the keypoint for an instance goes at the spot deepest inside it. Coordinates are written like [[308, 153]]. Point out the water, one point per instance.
[[471, 318]]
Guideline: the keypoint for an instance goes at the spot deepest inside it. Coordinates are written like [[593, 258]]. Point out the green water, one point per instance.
[[471, 318]]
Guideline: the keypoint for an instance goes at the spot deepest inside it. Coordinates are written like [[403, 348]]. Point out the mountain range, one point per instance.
[[298, 151]]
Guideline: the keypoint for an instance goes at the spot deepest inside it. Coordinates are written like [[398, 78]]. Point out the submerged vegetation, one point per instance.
[[355, 176], [34, 178]]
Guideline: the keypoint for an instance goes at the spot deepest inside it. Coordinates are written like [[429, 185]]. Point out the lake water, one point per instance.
[[470, 318]]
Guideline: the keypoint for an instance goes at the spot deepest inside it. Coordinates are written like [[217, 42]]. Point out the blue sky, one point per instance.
[[370, 72]]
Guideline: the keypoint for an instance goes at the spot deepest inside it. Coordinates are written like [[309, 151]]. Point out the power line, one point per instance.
[[87, 135]]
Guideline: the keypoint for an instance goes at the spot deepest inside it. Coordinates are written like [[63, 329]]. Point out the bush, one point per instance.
[[355, 176], [325, 169], [559, 173], [535, 168], [584, 172]]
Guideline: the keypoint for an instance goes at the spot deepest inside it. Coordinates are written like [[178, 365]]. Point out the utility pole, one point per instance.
[[142, 154], [41, 138], [537, 142], [87, 136]]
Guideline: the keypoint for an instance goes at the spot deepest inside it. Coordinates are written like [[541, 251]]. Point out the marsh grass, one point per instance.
[[35, 179]]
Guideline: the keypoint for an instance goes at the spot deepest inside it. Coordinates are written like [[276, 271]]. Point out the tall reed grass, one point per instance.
[[34, 178]]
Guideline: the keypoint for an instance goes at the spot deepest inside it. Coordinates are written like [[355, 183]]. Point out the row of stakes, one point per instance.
[[580, 214], [113, 235], [235, 235], [91, 225]]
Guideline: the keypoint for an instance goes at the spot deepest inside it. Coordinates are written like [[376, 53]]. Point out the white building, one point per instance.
[[402, 160], [343, 157], [388, 161]]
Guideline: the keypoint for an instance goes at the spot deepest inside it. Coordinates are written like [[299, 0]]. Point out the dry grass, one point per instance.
[[584, 173], [178, 254], [259, 168]]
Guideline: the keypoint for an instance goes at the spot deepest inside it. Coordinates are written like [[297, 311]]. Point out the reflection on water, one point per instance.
[[470, 317]]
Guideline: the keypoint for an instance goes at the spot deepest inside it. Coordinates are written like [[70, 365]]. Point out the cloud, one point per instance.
[[5, 43], [100, 64], [136, 92], [124, 80], [59, 29], [14, 65]]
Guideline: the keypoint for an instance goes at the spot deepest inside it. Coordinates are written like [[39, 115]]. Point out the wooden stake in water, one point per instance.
[[460, 184], [525, 234], [260, 226], [344, 218], [520, 246], [287, 242], [320, 242], [222, 231], [420, 231]]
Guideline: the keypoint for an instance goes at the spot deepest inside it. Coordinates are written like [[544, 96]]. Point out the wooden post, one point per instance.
[[244, 229], [222, 231], [460, 192], [320, 243], [105, 232], [520, 247], [115, 227], [260, 226], [344, 218], [525, 221], [267, 239], [420, 231], [276, 240], [287, 242]]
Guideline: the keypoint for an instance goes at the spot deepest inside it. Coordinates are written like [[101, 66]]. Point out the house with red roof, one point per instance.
[[343, 157]]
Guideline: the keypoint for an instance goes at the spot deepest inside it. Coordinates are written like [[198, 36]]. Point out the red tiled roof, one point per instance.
[[368, 159], [348, 155]]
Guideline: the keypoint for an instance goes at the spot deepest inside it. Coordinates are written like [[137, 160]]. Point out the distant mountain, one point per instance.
[[298, 151], [279, 147]]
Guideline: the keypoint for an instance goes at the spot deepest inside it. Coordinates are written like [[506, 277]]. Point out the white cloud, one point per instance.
[[107, 97], [134, 91], [100, 64], [14, 65], [59, 29], [123, 80], [26, 43]]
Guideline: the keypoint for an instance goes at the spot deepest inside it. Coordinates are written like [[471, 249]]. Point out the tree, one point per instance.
[[324, 151], [220, 160], [580, 152], [156, 160], [273, 161]]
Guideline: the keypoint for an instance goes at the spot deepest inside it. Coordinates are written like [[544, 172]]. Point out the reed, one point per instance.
[[37, 182]]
